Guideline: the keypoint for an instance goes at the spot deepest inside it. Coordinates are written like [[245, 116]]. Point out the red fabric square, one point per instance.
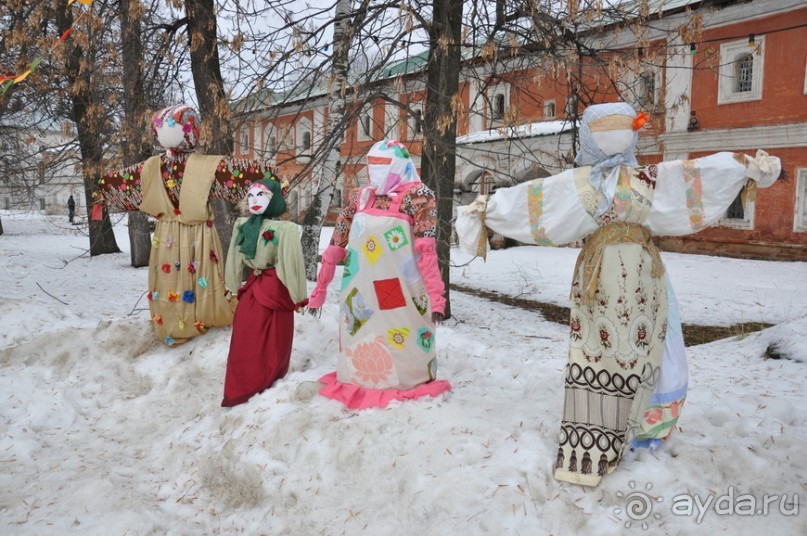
[[389, 294]]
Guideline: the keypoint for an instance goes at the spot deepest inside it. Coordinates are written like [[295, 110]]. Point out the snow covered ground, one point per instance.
[[105, 431]]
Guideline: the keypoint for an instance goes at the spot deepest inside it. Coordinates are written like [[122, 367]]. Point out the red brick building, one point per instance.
[[727, 75]]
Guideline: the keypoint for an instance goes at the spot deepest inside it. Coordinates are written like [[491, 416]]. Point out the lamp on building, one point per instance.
[[751, 41], [692, 48], [694, 124]]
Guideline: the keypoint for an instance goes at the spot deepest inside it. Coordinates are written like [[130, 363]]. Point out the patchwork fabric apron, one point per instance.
[[386, 336]]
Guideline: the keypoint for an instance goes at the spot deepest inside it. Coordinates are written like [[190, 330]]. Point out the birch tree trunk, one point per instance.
[[440, 134], [343, 31], [135, 128]]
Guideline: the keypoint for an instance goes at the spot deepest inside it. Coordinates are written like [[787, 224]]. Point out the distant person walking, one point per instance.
[[71, 208]]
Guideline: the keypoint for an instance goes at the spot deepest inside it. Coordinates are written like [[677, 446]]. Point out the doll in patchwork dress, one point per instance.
[[626, 376], [391, 292]]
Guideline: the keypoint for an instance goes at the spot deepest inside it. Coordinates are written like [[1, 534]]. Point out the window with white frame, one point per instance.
[[303, 136], [549, 109], [498, 103], [415, 124], [269, 142], [647, 90], [364, 128], [741, 71], [244, 140], [740, 214], [391, 115], [571, 106], [805, 77], [293, 202], [286, 137], [308, 195], [256, 136], [800, 219]]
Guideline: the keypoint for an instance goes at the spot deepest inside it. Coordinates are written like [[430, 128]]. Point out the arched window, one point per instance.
[[499, 106], [244, 140], [744, 74], [742, 70], [294, 205], [647, 90], [336, 200], [415, 121], [303, 136], [736, 210]]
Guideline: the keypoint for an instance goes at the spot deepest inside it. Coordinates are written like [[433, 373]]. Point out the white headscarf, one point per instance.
[[592, 155], [389, 165]]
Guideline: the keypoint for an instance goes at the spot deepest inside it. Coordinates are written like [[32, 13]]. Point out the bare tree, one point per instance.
[[344, 23], [88, 112], [212, 98], [135, 132], [439, 145]]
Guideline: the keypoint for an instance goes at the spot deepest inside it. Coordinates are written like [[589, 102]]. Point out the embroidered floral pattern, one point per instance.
[[694, 195], [396, 238], [372, 249], [535, 202], [355, 311], [425, 340], [372, 361], [421, 302], [397, 337]]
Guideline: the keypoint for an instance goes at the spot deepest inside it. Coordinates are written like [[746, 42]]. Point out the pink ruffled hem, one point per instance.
[[357, 397]]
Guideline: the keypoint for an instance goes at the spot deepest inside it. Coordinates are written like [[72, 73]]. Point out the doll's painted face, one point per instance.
[[258, 198], [612, 134]]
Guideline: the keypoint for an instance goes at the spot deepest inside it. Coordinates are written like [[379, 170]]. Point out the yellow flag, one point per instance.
[[23, 76]]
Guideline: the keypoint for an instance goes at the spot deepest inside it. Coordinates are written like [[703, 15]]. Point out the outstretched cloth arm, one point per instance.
[[332, 256], [119, 190], [693, 194], [546, 211], [470, 227], [234, 176], [290, 265], [430, 272]]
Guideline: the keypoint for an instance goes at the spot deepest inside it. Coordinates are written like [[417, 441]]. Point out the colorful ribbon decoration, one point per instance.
[[8, 80]]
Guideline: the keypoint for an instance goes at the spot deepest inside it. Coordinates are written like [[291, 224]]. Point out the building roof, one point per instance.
[[528, 130]]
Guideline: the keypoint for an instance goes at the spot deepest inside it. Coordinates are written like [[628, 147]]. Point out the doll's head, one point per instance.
[[608, 130], [265, 198], [389, 165], [177, 128]]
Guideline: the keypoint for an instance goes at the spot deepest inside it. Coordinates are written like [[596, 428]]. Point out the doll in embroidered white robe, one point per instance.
[[186, 289], [626, 376]]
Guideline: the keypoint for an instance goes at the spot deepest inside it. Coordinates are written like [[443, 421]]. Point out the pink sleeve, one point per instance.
[[430, 272], [332, 256]]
